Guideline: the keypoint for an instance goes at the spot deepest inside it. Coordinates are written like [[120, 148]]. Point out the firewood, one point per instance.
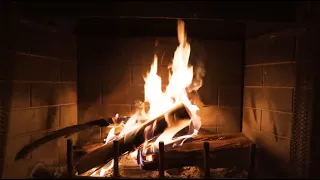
[[62, 133], [131, 140], [226, 151]]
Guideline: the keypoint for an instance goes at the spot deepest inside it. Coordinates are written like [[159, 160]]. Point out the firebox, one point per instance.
[[162, 89]]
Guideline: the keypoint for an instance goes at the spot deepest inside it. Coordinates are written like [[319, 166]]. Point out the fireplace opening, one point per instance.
[[149, 90]]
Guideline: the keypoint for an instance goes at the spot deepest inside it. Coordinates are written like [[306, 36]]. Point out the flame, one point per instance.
[[101, 172], [181, 81], [176, 91], [111, 135]]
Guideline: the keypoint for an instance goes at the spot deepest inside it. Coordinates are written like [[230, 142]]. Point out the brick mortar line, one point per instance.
[[229, 107], [40, 82], [269, 64], [39, 56], [270, 134], [271, 87], [32, 133], [235, 107], [89, 104], [245, 107], [36, 107], [229, 87]]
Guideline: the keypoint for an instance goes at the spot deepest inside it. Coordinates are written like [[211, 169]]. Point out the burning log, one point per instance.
[[225, 151], [130, 141], [65, 132]]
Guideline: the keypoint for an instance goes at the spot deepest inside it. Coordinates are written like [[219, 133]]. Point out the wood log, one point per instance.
[[63, 133], [131, 140], [226, 151]]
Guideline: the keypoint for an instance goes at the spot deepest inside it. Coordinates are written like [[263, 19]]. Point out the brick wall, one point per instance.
[[111, 77], [38, 91], [268, 96]]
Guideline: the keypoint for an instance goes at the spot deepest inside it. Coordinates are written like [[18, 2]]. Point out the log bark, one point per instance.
[[129, 141], [226, 151], [62, 133]]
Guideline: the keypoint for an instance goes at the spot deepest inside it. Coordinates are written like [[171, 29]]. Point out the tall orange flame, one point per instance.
[[180, 80]]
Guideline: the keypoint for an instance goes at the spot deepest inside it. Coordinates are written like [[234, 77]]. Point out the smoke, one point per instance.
[[199, 73]]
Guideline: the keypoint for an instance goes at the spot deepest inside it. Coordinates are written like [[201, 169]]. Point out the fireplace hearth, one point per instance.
[[159, 90]]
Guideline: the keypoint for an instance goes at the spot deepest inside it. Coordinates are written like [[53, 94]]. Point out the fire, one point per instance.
[[180, 83]]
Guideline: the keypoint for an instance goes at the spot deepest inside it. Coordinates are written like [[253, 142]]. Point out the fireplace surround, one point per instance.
[[73, 67]]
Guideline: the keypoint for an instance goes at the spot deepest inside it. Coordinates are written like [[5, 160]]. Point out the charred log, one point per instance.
[[65, 132], [226, 151], [129, 141]]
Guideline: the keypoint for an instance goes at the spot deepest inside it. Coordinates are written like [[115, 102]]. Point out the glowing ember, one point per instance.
[[181, 81]]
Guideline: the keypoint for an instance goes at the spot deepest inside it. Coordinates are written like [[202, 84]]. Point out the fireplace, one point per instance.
[[76, 67]]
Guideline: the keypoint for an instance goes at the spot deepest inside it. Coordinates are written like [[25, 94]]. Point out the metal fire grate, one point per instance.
[[302, 120]]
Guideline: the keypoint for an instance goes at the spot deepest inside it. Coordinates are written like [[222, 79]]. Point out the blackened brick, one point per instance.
[[122, 110], [68, 115], [253, 76], [26, 67], [43, 94], [209, 94], [17, 125], [20, 96], [230, 97], [138, 73], [208, 115], [42, 43], [45, 118], [252, 118], [277, 99], [109, 52], [229, 119], [20, 37], [140, 50], [278, 147], [209, 90], [208, 130], [123, 95], [68, 72], [229, 55], [64, 46], [67, 93], [54, 44], [17, 171], [118, 51], [89, 92], [117, 76], [307, 44], [13, 147], [87, 112], [2, 95], [279, 75], [165, 48], [279, 124], [255, 29], [2, 63], [227, 129], [48, 152], [33, 120], [89, 135], [270, 49]]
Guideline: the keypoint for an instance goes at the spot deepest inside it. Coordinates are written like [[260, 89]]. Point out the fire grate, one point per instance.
[[161, 170]]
